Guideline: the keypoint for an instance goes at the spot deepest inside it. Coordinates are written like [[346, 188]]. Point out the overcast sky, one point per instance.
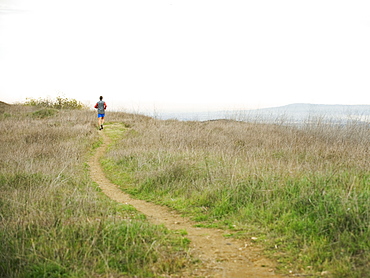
[[186, 54]]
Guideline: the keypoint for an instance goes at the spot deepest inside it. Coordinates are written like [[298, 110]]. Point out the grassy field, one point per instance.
[[303, 192], [54, 222]]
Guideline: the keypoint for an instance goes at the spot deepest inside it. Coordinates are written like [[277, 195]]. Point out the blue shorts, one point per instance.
[[101, 115]]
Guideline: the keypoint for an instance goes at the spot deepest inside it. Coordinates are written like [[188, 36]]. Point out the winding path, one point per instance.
[[220, 256]]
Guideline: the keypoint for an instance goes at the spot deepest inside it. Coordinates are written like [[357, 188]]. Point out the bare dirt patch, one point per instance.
[[219, 256]]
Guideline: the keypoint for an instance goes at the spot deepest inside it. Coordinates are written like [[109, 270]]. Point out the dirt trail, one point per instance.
[[220, 256]]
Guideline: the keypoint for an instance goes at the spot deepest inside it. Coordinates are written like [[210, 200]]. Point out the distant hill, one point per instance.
[[292, 113], [3, 106], [325, 109], [303, 111]]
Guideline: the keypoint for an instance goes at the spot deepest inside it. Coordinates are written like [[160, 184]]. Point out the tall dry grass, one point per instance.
[[304, 190], [54, 222]]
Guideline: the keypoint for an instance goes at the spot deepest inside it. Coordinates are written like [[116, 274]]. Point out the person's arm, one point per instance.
[[96, 105], [105, 105]]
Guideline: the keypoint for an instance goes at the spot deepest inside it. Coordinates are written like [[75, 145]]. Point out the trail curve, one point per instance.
[[219, 256]]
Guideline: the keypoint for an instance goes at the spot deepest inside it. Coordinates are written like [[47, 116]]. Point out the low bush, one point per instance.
[[57, 103], [44, 113]]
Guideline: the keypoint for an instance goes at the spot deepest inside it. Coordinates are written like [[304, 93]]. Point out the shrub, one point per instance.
[[44, 113], [58, 103]]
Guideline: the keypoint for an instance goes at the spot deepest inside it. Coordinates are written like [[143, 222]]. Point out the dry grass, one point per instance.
[[302, 191], [306, 189], [53, 221]]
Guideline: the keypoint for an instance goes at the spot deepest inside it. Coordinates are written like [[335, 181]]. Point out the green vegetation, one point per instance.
[[44, 113], [57, 103], [54, 222], [304, 192]]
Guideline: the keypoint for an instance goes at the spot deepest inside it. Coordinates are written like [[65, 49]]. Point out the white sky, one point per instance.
[[186, 54]]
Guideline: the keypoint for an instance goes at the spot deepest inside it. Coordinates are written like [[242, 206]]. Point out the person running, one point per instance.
[[101, 106]]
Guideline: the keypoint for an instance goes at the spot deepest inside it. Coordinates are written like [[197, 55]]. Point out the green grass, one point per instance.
[[44, 113], [55, 222], [303, 192]]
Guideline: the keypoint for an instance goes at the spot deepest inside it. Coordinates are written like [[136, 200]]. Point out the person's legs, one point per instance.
[[100, 121]]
